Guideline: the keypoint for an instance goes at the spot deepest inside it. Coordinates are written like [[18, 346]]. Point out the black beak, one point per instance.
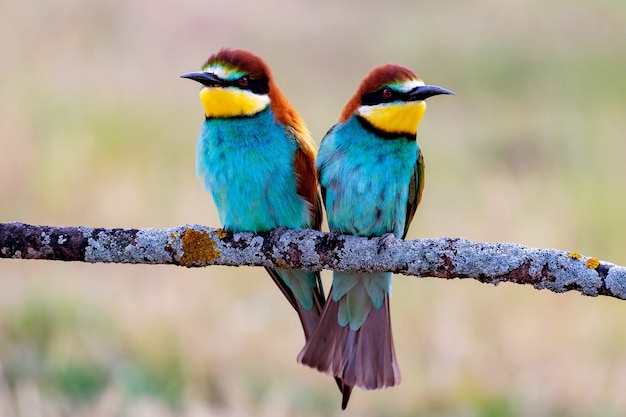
[[424, 91], [205, 78]]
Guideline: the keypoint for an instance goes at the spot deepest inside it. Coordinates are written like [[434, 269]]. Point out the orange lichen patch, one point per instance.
[[174, 239], [221, 234], [592, 263], [282, 264], [198, 247], [575, 255]]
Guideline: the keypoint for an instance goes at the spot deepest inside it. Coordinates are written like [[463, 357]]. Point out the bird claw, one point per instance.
[[334, 234], [386, 241], [333, 238]]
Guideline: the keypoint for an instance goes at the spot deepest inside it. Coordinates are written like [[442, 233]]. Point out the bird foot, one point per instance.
[[334, 234], [386, 241]]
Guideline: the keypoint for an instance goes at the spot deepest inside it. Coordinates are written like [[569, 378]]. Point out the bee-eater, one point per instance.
[[371, 173], [256, 156]]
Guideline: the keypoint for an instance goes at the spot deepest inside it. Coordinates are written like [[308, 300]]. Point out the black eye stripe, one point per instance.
[[378, 96], [258, 86]]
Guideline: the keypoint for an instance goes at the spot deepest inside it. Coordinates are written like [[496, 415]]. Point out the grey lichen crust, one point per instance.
[[616, 281], [197, 246]]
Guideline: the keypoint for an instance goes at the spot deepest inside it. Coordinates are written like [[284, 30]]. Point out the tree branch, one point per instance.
[[197, 246]]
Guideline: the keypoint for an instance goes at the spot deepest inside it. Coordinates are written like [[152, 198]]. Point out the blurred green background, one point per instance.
[[97, 129]]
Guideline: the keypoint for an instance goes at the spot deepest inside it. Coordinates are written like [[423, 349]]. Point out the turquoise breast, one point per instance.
[[366, 178], [247, 164]]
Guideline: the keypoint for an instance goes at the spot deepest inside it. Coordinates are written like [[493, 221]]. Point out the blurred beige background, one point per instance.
[[97, 129]]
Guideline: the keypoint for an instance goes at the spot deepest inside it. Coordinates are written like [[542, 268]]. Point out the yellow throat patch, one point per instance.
[[231, 102], [403, 117]]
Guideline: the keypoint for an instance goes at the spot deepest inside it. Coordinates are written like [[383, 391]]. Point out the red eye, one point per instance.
[[243, 81], [387, 92]]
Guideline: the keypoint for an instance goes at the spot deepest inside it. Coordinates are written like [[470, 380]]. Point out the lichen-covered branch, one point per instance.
[[195, 246]]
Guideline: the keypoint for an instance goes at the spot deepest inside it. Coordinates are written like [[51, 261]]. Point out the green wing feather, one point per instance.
[[416, 187]]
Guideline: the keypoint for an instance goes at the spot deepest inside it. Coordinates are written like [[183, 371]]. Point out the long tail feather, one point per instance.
[[365, 357], [346, 391]]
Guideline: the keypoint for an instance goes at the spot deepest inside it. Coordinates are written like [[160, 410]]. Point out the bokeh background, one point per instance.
[[97, 129]]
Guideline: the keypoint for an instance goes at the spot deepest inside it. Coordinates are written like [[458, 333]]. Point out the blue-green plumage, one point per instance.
[[247, 164], [256, 157], [371, 183], [366, 179], [371, 172]]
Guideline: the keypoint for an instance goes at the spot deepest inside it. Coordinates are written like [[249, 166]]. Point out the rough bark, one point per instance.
[[199, 246]]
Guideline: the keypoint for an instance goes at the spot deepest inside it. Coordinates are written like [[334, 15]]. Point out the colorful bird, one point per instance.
[[371, 173], [256, 156]]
